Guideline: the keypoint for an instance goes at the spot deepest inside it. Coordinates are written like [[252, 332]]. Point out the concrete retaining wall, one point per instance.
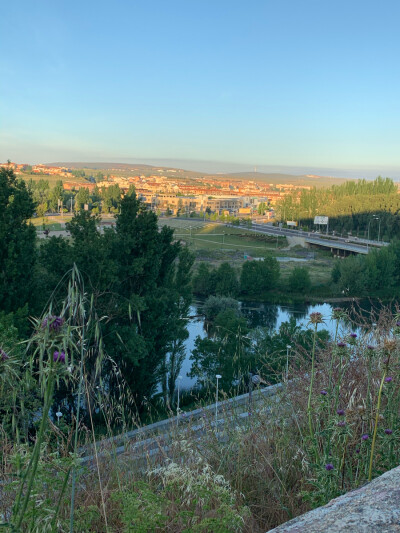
[[373, 508]]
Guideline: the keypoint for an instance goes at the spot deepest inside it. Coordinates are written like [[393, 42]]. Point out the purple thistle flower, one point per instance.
[[388, 379], [398, 324], [341, 424], [388, 431], [316, 318], [59, 357], [57, 323], [54, 322], [3, 355], [329, 466], [340, 412], [365, 437], [323, 392], [341, 345], [370, 347], [358, 450], [353, 335]]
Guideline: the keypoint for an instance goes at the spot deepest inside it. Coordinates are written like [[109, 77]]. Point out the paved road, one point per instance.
[[361, 246]]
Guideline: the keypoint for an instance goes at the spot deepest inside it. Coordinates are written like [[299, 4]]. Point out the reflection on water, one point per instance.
[[271, 316]]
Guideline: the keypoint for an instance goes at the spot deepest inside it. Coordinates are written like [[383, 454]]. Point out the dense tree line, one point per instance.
[[253, 280], [351, 208], [375, 274], [99, 200], [137, 276]]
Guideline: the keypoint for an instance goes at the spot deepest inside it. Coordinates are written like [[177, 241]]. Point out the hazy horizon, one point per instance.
[[226, 167]]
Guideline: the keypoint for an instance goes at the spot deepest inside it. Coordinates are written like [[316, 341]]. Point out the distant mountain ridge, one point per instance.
[[267, 177]]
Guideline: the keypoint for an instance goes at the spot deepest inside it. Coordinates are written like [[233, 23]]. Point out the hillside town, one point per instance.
[[171, 192]]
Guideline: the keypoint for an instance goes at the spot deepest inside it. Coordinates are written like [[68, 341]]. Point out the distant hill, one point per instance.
[[275, 178], [147, 170]]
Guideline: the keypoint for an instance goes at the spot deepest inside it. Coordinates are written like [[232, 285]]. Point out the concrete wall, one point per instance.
[[373, 508]]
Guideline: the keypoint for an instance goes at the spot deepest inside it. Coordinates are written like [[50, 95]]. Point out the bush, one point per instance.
[[299, 280], [214, 305], [259, 276]]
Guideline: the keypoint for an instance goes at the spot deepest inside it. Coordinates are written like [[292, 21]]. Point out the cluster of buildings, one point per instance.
[[196, 195], [46, 170], [172, 192]]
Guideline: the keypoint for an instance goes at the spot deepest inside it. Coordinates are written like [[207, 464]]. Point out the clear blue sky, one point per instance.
[[309, 83]]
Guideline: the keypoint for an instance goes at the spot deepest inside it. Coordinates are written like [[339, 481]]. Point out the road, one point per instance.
[[360, 246]]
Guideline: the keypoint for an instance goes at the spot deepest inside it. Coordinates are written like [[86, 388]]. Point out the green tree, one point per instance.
[[56, 195], [227, 353], [202, 281], [82, 197], [259, 276], [299, 280], [144, 326], [225, 281], [17, 243]]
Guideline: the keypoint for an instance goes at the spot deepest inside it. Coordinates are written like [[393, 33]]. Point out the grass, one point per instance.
[[328, 431], [203, 236]]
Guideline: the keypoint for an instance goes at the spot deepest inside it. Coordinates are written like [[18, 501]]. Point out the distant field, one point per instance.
[[51, 178], [211, 236]]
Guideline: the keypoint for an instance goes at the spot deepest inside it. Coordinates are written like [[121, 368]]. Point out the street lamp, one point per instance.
[[379, 230], [288, 347], [218, 376], [58, 415], [179, 388]]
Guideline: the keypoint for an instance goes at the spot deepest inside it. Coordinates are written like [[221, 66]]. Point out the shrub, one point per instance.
[[299, 280]]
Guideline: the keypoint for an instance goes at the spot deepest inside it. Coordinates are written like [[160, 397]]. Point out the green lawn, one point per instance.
[[211, 236]]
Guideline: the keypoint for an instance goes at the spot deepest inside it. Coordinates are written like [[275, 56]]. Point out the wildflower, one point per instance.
[[352, 338], [388, 431], [398, 324], [54, 322], [341, 424], [341, 345], [3, 355], [370, 347], [389, 344], [337, 313], [365, 437], [388, 379], [340, 412], [358, 450], [329, 466], [316, 318], [59, 356], [323, 392]]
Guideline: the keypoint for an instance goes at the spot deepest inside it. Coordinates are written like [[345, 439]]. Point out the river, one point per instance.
[[264, 315]]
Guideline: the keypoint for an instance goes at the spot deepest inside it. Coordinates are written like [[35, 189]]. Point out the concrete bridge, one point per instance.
[[336, 244]]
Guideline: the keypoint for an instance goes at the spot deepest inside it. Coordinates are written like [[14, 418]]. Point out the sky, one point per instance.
[[310, 84]]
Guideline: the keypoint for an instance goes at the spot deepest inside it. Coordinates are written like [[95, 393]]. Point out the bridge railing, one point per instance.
[[153, 438]]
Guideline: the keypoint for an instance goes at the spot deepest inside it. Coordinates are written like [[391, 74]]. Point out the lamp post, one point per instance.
[[218, 376], [288, 347], [179, 389], [379, 228], [58, 415]]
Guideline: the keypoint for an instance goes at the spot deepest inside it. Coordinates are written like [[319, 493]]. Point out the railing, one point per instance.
[[153, 438]]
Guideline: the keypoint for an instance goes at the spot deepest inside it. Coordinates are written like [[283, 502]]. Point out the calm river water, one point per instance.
[[264, 315]]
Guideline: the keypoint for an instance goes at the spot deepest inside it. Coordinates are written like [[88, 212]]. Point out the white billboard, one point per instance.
[[321, 220], [291, 223]]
